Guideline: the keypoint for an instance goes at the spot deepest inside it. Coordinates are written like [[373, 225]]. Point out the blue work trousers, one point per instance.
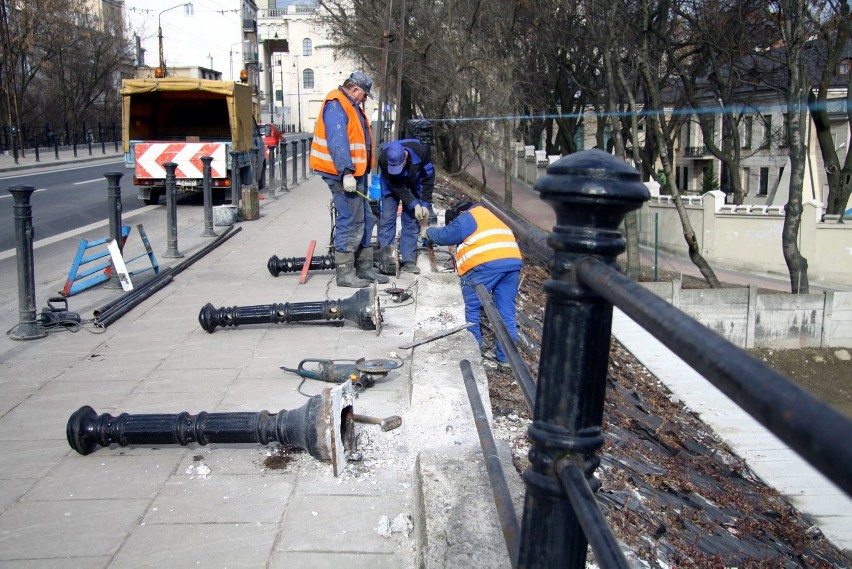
[[354, 221], [503, 287], [409, 232]]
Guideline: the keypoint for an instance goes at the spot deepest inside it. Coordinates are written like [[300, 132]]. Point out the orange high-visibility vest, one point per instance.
[[491, 241], [321, 157]]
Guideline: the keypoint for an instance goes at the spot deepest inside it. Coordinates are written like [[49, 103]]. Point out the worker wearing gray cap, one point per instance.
[[340, 154]]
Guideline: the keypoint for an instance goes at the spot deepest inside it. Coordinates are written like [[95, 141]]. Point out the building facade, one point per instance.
[[300, 66]]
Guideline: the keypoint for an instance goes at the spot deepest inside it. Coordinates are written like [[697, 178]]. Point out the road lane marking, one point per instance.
[[52, 169], [50, 240], [89, 181], [35, 192]]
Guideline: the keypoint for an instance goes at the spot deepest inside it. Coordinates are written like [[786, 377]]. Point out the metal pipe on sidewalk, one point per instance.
[[27, 327], [120, 310], [123, 304], [499, 486], [516, 362]]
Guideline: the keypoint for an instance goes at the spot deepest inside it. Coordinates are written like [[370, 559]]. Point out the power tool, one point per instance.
[[56, 314], [362, 372]]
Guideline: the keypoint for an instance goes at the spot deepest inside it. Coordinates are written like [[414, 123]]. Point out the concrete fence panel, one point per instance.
[[789, 321]]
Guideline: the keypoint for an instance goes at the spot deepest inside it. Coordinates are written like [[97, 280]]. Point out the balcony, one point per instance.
[[249, 25], [696, 151]]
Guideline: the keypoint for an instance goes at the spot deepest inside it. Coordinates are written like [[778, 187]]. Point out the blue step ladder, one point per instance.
[[91, 268]]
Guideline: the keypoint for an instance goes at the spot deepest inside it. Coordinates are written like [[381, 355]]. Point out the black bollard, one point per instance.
[[35, 148], [295, 144], [277, 266], [236, 180], [56, 146], [208, 197], [271, 169], [114, 198], [304, 158], [591, 192], [362, 308], [283, 158], [324, 426], [171, 213], [27, 327]]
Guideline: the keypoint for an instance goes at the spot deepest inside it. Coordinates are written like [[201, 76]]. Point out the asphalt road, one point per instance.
[[66, 198]]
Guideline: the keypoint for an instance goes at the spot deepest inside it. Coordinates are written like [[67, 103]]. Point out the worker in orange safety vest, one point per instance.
[[340, 154], [487, 254]]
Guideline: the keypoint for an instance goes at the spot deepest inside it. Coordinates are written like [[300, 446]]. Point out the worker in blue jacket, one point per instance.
[[407, 177], [487, 254]]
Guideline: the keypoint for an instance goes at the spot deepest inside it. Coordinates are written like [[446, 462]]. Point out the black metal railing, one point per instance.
[[46, 139], [591, 192]]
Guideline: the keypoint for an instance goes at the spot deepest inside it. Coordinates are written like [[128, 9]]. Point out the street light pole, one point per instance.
[[231, 57], [298, 91], [160, 33], [281, 69]]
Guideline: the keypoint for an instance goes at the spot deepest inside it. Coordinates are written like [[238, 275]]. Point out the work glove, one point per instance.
[[349, 183], [420, 212], [423, 234]]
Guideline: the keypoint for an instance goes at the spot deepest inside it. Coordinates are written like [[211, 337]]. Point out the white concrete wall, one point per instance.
[[748, 238]]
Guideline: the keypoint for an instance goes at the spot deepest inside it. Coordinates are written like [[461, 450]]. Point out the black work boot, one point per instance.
[[345, 266], [410, 267], [364, 266], [385, 262]]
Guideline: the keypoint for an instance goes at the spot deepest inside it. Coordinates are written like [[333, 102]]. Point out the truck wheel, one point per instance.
[[154, 198]]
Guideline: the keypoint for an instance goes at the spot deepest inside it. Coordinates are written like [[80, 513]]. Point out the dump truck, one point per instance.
[[177, 119]]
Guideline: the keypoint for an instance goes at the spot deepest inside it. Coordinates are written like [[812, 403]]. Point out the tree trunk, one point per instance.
[[793, 33]]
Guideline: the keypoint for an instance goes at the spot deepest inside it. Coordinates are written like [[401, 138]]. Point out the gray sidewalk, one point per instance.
[[401, 505]]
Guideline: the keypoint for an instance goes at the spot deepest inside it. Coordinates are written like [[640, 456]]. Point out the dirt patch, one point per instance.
[[824, 372]]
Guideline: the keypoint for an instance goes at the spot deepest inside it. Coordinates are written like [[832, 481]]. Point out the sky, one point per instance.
[[189, 40]]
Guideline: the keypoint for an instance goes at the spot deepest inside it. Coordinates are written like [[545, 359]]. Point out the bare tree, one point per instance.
[[834, 34], [61, 62], [792, 19], [657, 28]]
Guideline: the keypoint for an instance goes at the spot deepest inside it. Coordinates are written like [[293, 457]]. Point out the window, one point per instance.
[[767, 130], [307, 47], [749, 131], [685, 187], [308, 78], [844, 67], [746, 180], [763, 184]]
